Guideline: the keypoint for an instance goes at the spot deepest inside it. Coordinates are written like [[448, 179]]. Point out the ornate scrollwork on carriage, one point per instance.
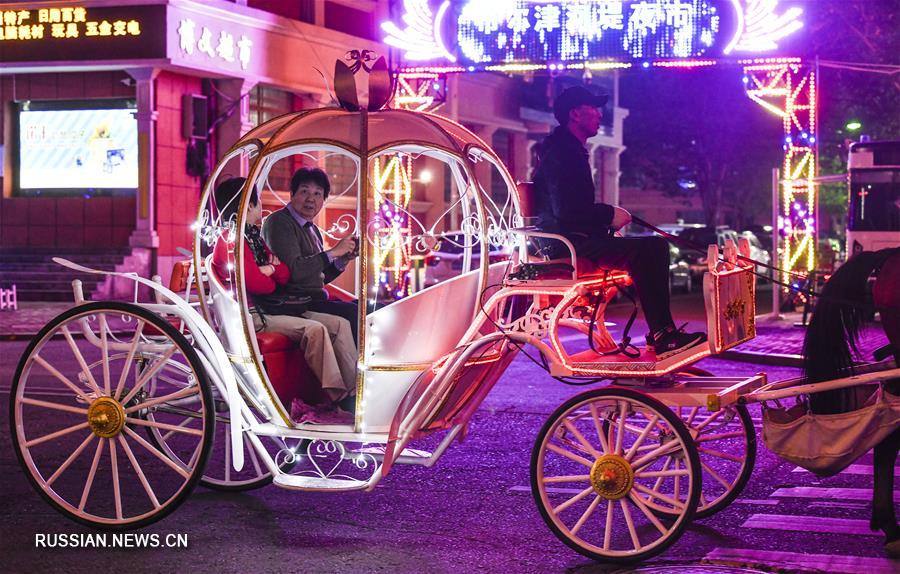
[[210, 229], [345, 224], [536, 323], [327, 460]]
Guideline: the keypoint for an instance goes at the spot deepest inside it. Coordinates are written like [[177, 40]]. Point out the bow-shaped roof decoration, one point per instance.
[[380, 85]]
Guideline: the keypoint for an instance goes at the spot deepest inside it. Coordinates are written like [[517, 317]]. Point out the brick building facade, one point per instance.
[[251, 61]]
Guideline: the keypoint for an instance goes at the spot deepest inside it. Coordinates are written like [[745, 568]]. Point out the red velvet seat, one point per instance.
[[287, 369]]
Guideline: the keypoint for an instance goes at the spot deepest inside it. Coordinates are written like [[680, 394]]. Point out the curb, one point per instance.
[[16, 336], [771, 359], [29, 336]]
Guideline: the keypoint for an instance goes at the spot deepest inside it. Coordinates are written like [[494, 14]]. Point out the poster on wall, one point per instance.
[[79, 148]]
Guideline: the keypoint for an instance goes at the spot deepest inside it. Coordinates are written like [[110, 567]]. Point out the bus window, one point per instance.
[[874, 212], [875, 201]]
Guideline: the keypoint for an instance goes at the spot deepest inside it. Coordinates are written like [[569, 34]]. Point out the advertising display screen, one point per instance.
[[77, 146]]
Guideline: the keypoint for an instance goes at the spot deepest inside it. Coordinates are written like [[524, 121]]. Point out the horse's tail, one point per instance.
[[833, 333]]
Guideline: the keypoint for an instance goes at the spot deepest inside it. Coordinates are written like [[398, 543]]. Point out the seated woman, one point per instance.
[[326, 340]]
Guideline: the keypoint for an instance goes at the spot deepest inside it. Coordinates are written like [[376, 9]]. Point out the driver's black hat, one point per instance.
[[573, 97]]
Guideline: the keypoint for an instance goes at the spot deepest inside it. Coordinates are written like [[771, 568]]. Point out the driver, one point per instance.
[[564, 196]]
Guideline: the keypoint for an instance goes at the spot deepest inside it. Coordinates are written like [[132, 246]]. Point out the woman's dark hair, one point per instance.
[[310, 175], [227, 194]]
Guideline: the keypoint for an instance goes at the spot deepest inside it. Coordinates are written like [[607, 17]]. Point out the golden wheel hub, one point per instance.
[[106, 417], [612, 477]]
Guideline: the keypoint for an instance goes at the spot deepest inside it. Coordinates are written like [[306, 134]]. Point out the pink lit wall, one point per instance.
[[70, 222], [100, 222], [177, 193]]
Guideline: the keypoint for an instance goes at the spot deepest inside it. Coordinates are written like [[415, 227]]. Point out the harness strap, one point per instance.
[[809, 292], [624, 347]]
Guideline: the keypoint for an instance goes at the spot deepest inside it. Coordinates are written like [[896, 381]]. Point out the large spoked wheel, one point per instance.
[[79, 408], [726, 442], [598, 472]]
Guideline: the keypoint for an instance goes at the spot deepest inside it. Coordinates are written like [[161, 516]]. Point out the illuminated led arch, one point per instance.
[[758, 28], [485, 34], [421, 38]]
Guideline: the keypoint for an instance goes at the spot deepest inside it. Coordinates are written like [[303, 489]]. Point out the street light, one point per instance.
[[425, 176], [853, 126]]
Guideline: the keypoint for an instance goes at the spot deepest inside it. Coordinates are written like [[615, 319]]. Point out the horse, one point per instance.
[[829, 347]]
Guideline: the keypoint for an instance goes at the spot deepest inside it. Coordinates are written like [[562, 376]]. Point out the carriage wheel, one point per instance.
[[726, 441], [219, 473], [79, 407], [597, 469]]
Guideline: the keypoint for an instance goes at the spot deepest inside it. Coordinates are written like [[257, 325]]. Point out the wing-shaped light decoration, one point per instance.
[[759, 28], [421, 38]]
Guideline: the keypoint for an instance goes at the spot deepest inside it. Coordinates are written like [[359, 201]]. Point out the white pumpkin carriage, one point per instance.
[[120, 409]]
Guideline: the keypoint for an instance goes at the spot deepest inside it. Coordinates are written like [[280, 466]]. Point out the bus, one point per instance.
[[873, 219]]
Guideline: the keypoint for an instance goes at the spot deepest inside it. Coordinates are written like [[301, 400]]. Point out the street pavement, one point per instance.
[[471, 512]]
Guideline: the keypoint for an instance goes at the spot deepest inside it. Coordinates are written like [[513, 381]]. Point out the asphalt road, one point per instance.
[[472, 512]]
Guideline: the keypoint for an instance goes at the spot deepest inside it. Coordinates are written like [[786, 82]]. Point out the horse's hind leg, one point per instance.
[[883, 516]]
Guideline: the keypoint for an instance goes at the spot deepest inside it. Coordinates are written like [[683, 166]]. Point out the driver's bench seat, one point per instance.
[[573, 267]]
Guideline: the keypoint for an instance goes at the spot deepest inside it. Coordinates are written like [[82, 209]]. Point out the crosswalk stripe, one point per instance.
[[760, 502], [832, 504], [559, 490], [553, 489], [810, 524], [820, 492], [854, 469], [788, 561]]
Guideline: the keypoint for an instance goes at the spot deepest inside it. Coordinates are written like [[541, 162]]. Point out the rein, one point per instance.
[[808, 292]]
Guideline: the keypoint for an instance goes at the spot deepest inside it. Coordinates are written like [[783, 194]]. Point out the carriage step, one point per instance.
[[590, 363], [316, 483], [408, 456]]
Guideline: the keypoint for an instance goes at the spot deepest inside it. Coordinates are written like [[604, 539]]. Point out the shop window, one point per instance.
[[342, 174], [287, 8], [267, 103], [354, 21], [502, 145], [307, 11]]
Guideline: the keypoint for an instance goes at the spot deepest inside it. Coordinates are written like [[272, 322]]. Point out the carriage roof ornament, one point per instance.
[[380, 87]]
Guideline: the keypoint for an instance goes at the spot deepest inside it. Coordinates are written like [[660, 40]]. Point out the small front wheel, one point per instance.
[[599, 472], [80, 407]]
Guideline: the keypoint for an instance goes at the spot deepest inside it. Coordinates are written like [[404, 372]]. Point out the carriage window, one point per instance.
[[342, 173], [420, 231], [875, 202]]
